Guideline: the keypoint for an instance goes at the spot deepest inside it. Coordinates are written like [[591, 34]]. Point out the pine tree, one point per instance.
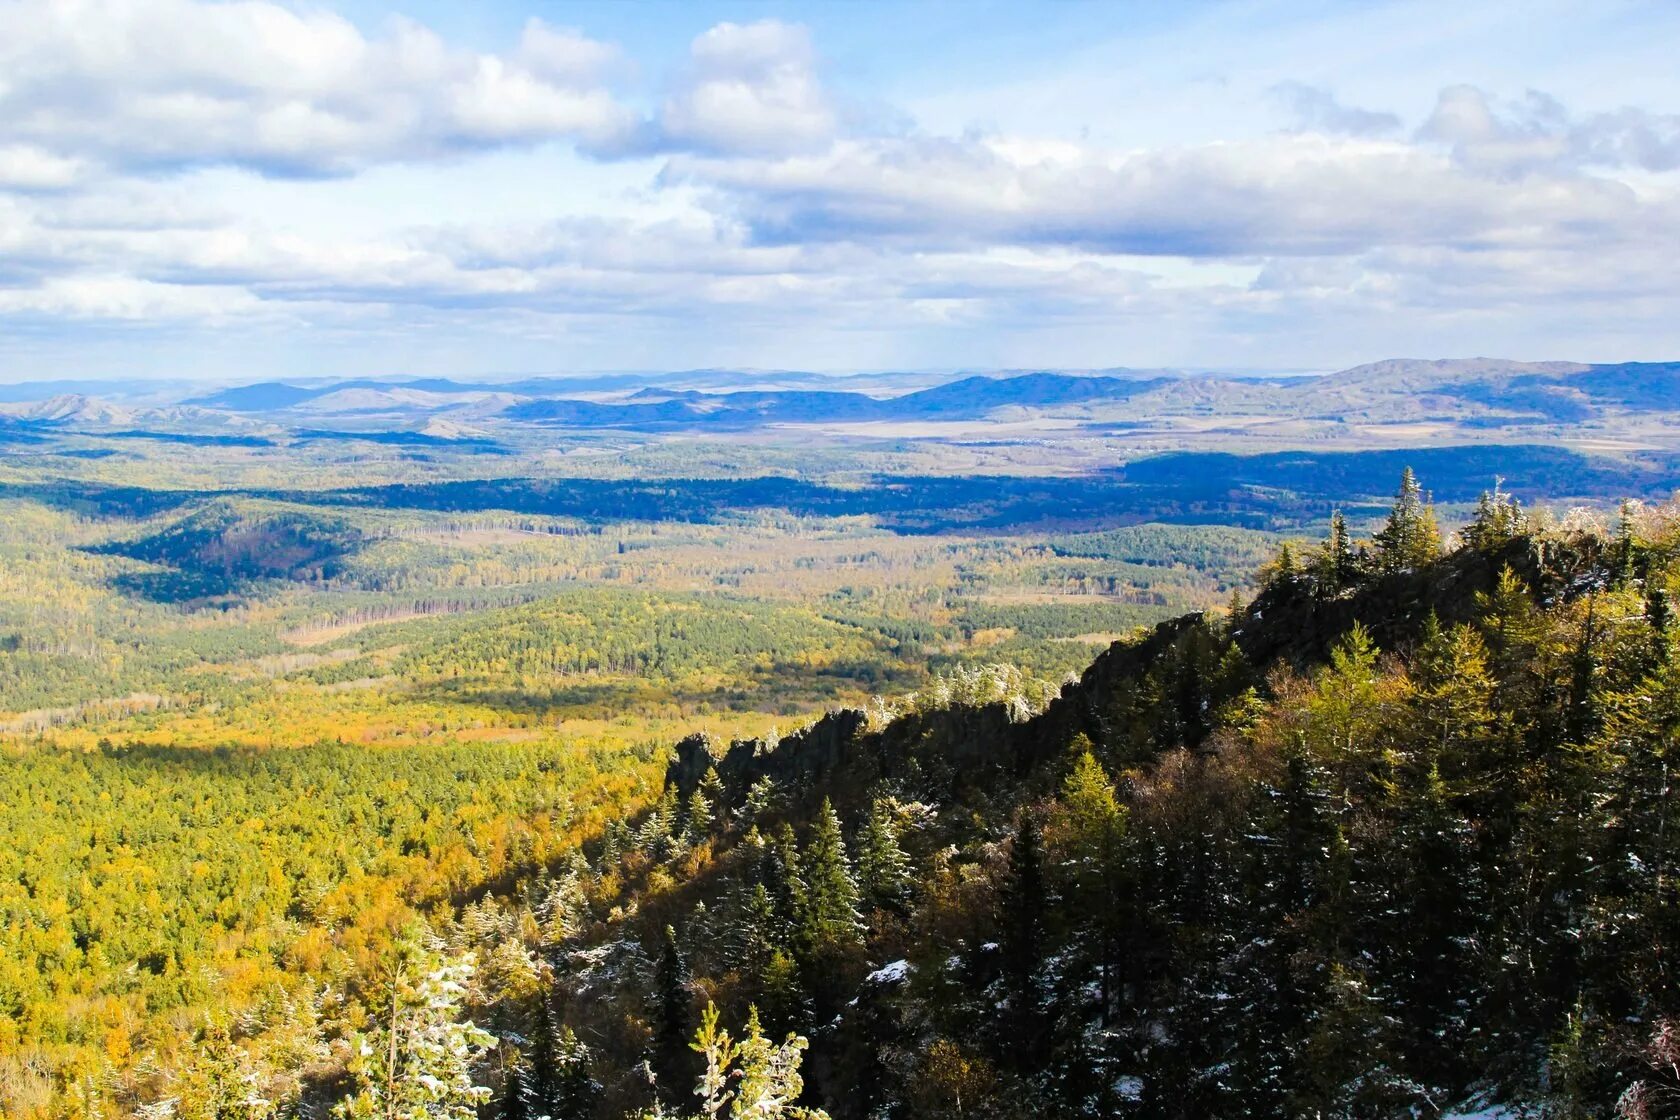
[[556, 1070], [575, 1092], [1438, 895], [1343, 713], [1625, 548], [711, 788], [223, 1081], [563, 911], [1283, 565], [697, 820], [1337, 560], [1023, 908], [542, 1057], [884, 872], [1515, 632], [1453, 693], [781, 871], [1499, 519], [519, 1099], [1411, 538], [671, 1016], [762, 799], [830, 923]]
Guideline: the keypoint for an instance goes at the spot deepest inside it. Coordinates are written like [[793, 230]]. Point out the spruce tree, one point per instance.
[[1411, 538], [671, 1018], [1023, 910], [884, 872], [711, 788], [541, 1056], [1438, 896], [1337, 560], [697, 819], [781, 871], [830, 922], [519, 1098], [575, 1092], [1499, 519], [1453, 694]]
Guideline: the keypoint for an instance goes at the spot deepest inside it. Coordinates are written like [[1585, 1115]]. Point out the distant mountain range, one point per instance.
[[1475, 392]]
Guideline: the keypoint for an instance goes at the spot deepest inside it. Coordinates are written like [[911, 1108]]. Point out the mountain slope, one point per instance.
[[1251, 868]]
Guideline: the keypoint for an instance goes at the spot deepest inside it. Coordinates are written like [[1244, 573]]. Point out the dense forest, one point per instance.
[[1391, 838]]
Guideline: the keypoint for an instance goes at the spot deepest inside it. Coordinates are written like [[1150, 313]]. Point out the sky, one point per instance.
[[257, 189]]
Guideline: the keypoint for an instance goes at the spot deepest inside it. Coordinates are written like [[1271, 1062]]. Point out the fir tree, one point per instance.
[[1336, 561], [557, 1070], [575, 1093], [884, 872], [519, 1099], [1453, 692], [1089, 826], [223, 1081], [671, 1016], [697, 819], [1023, 908], [1438, 895], [1499, 519], [1411, 538], [830, 922], [762, 799], [1625, 547]]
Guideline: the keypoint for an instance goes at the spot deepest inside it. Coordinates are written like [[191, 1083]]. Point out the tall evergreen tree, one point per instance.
[[1337, 560], [884, 872], [519, 1098], [697, 818], [1411, 538], [1498, 520], [1089, 827], [1453, 694], [575, 1092], [672, 1018], [830, 921], [1024, 903]]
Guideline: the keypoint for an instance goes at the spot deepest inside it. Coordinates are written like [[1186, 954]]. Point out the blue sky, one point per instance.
[[259, 188]]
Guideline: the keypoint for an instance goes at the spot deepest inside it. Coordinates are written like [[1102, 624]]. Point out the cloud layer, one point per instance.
[[156, 85], [733, 205]]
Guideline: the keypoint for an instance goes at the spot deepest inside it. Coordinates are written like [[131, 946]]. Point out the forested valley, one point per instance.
[[1389, 836]]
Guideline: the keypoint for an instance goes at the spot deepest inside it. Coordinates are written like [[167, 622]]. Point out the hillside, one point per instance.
[[1391, 839]]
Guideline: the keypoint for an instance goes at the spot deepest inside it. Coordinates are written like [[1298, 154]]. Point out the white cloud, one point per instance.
[[158, 84], [126, 299], [1291, 194], [1537, 133], [142, 146], [1318, 109], [27, 168], [750, 89]]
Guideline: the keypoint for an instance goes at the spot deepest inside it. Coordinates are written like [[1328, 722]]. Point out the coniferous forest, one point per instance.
[[1389, 835]]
